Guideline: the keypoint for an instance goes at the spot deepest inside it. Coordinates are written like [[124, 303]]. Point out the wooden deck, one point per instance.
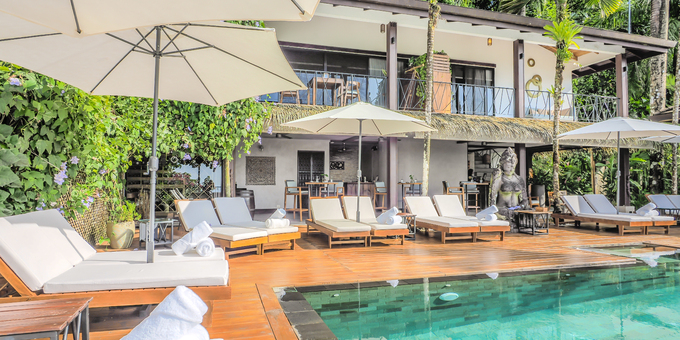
[[248, 316]]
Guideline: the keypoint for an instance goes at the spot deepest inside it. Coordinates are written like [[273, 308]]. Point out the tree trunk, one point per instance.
[[560, 15], [658, 25], [429, 89], [676, 108]]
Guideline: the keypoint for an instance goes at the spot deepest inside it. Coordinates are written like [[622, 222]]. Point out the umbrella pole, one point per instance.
[[153, 161], [618, 170], [361, 121]]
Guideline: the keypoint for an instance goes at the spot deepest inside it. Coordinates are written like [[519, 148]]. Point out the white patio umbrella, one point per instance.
[[90, 17], [350, 120], [619, 127], [209, 62]]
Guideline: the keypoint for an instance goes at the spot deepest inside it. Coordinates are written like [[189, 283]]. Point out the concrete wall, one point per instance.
[[448, 162], [285, 151]]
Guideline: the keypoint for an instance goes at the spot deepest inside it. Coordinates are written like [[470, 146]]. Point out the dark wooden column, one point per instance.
[[392, 104], [624, 189], [521, 169], [622, 84], [518, 76]]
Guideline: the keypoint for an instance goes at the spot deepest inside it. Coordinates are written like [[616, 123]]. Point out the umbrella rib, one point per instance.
[[376, 127], [144, 38], [302, 11], [237, 27], [75, 17], [191, 67], [187, 50], [119, 61], [173, 39], [130, 43], [239, 58], [329, 123], [30, 36]]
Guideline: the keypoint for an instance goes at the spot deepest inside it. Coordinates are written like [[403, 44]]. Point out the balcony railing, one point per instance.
[[457, 98], [575, 107], [333, 89]]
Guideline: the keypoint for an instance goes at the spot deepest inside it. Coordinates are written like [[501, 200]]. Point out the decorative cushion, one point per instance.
[[232, 209]]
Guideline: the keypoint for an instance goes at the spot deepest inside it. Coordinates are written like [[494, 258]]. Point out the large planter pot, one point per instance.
[[538, 190], [120, 234]]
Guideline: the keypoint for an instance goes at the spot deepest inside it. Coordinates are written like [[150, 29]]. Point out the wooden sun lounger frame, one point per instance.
[[366, 235], [383, 235], [621, 225], [115, 298], [238, 247]]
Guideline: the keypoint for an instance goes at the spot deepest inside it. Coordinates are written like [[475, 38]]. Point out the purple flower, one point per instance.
[[90, 199], [62, 92], [270, 130], [14, 81], [215, 164], [103, 171], [60, 176], [264, 110], [185, 145], [39, 208], [257, 23], [187, 157], [259, 139], [247, 127], [257, 98], [63, 166], [248, 152], [86, 204], [43, 204], [189, 128], [74, 160], [61, 209]]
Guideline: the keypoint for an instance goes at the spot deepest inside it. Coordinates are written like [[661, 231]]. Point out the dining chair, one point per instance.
[[414, 190], [293, 190], [349, 91], [380, 192], [292, 94], [471, 195], [449, 190]]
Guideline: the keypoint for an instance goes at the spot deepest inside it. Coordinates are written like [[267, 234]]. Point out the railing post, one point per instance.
[[518, 76]]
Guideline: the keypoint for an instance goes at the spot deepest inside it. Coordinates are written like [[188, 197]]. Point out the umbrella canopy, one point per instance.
[[345, 120], [90, 17], [360, 118], [671, 140], [209, 63], [620, 127]]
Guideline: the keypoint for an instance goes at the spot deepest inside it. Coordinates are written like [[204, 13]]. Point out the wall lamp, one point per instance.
[[489, 42]]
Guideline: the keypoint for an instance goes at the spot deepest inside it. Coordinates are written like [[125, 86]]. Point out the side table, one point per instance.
[[533, 222], [46, 319], [160, 235], [410, 221]]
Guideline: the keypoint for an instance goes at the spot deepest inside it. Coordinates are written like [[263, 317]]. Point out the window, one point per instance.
[[473, 90]]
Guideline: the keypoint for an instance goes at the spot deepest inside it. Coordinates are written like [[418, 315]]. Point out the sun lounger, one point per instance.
[[367, 216], [664, 205], [233, 211], [601, 205], [581, 211], [43, 257], [450, 206], [327, 218], [427, 217], [193, 212]]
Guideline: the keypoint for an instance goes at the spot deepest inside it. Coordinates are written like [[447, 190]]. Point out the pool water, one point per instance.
[[628, 302]]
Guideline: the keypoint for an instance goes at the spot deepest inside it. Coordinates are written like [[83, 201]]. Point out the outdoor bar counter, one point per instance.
[[367, 189]]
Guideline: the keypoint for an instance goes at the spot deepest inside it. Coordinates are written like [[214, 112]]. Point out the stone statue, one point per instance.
[[507, 188]]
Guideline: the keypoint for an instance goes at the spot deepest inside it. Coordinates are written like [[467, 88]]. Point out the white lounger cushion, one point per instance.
[[447, 222], [675, 200], [246, 224], [662, 201], [343, 225], [600, 204], [232, 210], [236, 234], [41, 245], [274, 231], [367, 213], [139, 256], [449, 206], [421, 206], [619, 217], [134, 276], [577, 205], [482, 223], [194, 212], [326, 209]]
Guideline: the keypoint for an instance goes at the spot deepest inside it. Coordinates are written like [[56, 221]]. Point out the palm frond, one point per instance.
[[513, 6]]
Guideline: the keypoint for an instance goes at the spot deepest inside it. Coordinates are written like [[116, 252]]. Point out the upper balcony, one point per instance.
[[339, 89]]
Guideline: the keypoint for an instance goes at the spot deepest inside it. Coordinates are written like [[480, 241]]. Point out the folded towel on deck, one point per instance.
[[206, 247], [277, 223], [384, 218], [488, 214], [178, 314], [278, 214], [648, 210], [189, 241]]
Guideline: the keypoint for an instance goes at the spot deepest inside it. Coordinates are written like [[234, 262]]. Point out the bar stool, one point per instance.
[[291, 94], [449, 190], [293, 190], [414, 190], [380, 191], [471, 195]]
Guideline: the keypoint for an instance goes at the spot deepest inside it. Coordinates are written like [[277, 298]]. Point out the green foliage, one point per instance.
[[563, 33], [422, 61], [574, 171], [126, 212]]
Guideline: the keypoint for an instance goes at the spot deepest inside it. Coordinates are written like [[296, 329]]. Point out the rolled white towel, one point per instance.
[[278, 214], [206, 247], [646, 209], [491, 217], [484, 214], [277, 223], [393, 220], [199, 233], [382, 219], [177, 314], [197, 333]]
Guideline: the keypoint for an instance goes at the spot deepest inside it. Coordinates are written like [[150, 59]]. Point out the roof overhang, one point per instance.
[[636, 47]]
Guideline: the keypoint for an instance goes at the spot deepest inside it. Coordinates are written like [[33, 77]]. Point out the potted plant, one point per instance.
[[324, 177], [120, 229], [413, 180]]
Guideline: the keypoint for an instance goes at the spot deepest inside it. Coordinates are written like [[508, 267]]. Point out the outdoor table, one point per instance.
[[410, 221], [46, 319], [324, 84], [160, 231], [403, 184], [534, 222]]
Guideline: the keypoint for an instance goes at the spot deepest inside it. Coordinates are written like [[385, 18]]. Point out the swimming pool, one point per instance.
[[627, 302]]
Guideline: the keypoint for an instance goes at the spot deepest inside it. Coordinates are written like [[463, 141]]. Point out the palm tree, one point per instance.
[[658, 27], [433, 17], [676, 108]]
